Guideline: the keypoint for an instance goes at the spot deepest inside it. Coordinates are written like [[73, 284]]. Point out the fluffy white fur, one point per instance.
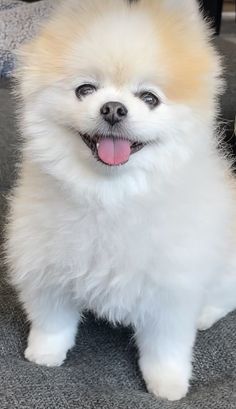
[[150, 243]]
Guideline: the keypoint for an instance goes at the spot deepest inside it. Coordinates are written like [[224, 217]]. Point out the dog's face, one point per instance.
[[110, 85]]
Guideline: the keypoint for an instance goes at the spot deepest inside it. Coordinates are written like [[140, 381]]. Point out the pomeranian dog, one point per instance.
[[124, 205]]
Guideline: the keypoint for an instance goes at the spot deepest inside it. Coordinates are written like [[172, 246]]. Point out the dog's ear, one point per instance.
[[188, 9], [190, 6]]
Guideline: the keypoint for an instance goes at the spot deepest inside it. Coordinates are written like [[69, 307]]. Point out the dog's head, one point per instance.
[[114, 89]]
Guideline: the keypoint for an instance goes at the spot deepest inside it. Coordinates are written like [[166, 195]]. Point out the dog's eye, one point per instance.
[[149, 99], [84, 90]]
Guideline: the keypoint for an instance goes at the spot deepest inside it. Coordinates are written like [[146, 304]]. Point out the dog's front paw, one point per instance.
[[47, 349], [166, 382], [169, 387], [42, 357]]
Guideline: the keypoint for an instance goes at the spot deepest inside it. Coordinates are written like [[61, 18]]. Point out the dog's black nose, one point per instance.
[[113, 112]]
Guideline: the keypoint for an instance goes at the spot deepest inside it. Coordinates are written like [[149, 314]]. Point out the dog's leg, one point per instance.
[[165, 342], [221, 301], [54, 320]]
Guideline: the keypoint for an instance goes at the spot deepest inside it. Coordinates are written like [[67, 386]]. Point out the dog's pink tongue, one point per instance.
[[114, 151]]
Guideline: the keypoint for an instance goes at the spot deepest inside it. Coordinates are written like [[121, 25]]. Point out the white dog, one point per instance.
[[124, 206]]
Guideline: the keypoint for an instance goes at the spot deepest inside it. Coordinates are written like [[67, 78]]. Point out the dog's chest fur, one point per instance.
[[122, 258], [114, 257], [118, 259]]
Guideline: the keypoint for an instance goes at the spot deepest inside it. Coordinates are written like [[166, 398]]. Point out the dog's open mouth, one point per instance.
[[110, 150]]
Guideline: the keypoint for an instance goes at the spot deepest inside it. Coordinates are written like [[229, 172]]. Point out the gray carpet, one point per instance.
[[101, 371]]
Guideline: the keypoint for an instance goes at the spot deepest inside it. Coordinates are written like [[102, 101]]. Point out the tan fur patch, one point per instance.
[[177, 54], [186, 54]]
